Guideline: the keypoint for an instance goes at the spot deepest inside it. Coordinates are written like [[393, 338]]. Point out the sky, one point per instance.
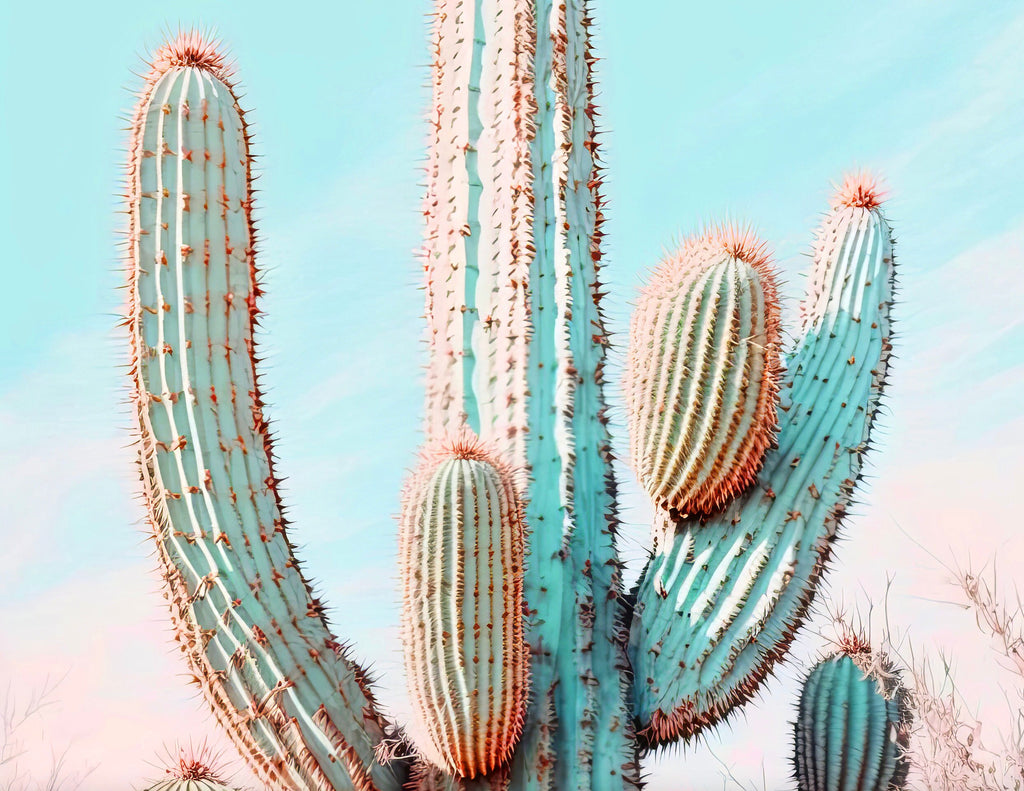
[[743, 109]]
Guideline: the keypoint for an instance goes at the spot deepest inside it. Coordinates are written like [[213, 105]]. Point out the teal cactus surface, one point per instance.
[[517, 355], [254, 635], [718, 604], [852, 726]]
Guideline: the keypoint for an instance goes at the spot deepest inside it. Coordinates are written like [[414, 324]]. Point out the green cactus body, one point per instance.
[[719, 604], [850, 733], [461, 549], [254, 635]]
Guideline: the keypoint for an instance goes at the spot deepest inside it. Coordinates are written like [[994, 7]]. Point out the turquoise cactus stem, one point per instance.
[[518, 348], [719, 603], [297, 707], [851, 727]]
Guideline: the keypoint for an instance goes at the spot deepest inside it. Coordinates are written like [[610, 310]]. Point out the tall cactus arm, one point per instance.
[[517, 347], [297, 707], [720, 600]]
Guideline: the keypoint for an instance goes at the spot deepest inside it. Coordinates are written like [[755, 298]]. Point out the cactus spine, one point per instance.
[[517, 353], [852, 727], [461, 548]]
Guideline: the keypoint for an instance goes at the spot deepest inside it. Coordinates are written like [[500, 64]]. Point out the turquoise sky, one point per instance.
[[741, 108]]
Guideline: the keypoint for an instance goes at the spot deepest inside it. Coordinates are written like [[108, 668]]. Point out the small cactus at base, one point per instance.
[[853, 724], [192, 770]]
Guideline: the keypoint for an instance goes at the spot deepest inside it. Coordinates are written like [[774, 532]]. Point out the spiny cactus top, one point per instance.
[[853, 724], [193, 770]]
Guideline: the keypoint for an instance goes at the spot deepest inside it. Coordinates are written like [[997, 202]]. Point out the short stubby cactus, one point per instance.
[[701, 377], [853, 724], [461, 546], [517, 353]]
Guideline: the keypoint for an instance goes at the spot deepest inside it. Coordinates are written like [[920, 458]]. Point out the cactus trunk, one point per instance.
[[517, 347]]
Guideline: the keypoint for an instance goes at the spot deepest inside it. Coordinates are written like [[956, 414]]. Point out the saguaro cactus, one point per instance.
[[517, 358]]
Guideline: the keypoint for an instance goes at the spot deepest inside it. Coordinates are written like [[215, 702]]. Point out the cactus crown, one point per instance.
[[860, 189], [190, 48]]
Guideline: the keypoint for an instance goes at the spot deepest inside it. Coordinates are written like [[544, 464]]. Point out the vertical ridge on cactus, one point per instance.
[[461, 547], [701, 376], [852, 725], [297, 707], [719, 603]]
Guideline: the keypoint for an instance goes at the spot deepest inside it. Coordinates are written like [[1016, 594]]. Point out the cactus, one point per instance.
[[517, 348], [720, 601], [702, 373], [461, 549], [852, 729]]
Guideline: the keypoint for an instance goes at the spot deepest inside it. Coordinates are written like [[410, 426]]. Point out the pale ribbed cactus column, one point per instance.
[[254, 636], [461, 554], [517, 347]]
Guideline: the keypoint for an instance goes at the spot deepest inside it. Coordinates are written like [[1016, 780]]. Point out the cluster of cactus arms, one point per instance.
[[529, 667]]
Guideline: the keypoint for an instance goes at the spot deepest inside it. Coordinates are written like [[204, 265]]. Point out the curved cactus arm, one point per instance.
[[297, 707], [852, 726], [720, 601], [517, 345]]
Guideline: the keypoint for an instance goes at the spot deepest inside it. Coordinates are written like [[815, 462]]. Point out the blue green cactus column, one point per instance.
[[517, 344], [722, 598]]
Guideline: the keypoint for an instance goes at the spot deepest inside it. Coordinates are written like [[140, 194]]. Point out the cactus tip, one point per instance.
[[195, 763], [191, 48], [739, 241], [859, 188]]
